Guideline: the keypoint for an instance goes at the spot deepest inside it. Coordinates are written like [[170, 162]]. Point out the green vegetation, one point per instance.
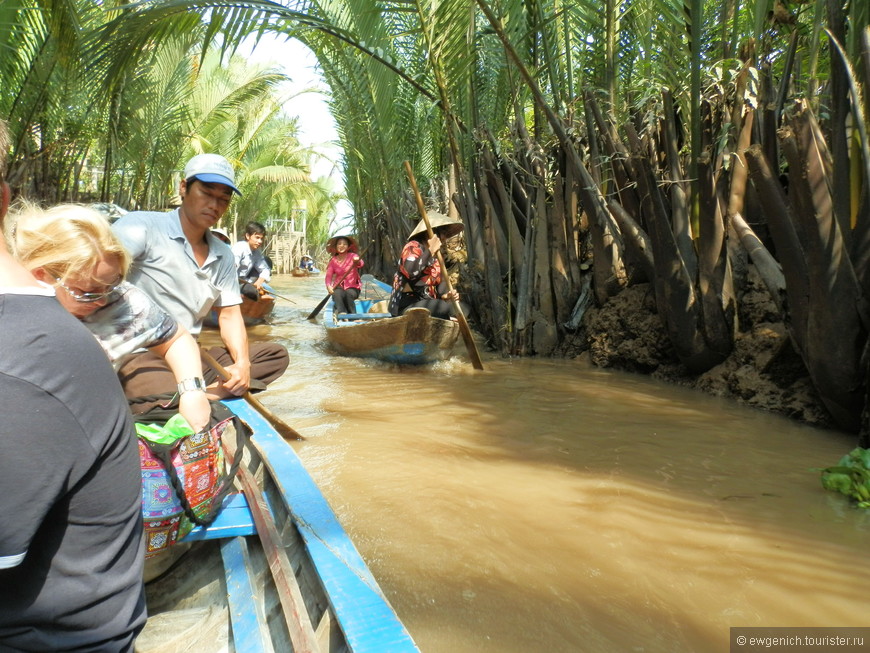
[[89, 130], [586, 146], [851, 476]]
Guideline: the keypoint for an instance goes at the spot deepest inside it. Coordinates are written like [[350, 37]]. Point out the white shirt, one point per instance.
[[250, 263]]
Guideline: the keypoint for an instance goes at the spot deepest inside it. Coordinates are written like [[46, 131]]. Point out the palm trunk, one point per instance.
[[835, 332], [679, 304], [789, 249]]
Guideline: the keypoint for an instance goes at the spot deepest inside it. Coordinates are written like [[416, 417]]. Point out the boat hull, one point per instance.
[[414, 338], [223, 594], [253, 312], [256, 312]]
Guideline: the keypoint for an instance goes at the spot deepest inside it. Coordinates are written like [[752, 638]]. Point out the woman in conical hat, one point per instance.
[[419, 281], [350, 241], [306, 263], [444, 226], [342, 274]]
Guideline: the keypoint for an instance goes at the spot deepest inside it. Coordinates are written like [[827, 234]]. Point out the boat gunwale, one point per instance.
[[357, 603]]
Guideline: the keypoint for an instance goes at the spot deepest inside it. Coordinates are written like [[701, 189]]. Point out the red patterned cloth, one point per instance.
[[418, 277]]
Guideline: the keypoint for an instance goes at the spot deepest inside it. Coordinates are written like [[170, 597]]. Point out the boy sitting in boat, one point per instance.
[[253, 268]]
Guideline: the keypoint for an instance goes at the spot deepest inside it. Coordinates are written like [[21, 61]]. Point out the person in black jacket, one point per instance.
[[419, 281]]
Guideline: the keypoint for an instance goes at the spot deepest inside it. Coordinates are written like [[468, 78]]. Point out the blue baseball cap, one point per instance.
[[213, 169]]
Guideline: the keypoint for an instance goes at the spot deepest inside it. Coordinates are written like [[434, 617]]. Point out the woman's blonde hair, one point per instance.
[[65, 240]]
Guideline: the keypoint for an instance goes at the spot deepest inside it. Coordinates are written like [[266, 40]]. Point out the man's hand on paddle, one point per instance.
[[240, 379]]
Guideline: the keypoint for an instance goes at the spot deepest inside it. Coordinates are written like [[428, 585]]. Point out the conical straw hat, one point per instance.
[[352, 246], [452, 226]]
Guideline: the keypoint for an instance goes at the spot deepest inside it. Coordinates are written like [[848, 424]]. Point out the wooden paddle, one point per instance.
[[268, 290], [280, 425], [323, 301], [464, 329]]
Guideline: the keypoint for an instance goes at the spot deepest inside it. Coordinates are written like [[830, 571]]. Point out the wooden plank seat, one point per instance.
[[257, 592], [234, 519], [250, 631]]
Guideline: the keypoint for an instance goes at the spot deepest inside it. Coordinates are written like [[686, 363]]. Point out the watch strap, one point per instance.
[[192, 384]]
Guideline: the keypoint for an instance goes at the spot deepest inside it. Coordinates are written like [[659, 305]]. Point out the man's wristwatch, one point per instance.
[[190, 385]]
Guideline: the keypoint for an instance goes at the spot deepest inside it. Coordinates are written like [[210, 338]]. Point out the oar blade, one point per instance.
[[468, 338], [318, 308], [280, 425]]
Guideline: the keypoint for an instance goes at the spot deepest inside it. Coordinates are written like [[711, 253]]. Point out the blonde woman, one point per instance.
[[72, 248]]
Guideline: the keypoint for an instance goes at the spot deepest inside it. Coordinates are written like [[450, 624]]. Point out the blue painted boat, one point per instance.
[[275, 572], [413, 338]]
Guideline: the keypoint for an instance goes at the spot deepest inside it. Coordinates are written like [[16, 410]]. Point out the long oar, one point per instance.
[[323, 301], [280, 425], [269, 291], [464, 329]]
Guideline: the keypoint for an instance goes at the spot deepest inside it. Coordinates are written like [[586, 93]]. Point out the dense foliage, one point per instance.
[[89, 130], [850, 476], [585, 145]]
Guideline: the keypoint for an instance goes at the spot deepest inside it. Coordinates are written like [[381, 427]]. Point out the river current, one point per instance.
[[544, 505]]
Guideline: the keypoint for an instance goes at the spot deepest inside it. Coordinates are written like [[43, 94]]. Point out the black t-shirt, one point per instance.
[[70, 488]]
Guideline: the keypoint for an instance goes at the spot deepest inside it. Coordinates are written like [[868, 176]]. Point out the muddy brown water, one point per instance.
[[542, 505]]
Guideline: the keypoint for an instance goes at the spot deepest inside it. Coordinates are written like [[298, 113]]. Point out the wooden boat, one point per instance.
[[413, 338], [253, 312], [301, 272], [275, 572], [256, 312]]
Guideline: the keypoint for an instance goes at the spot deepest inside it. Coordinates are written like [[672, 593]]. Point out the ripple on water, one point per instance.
[[542, 505]]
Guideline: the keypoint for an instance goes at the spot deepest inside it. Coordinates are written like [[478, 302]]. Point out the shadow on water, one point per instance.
[[546, 506]]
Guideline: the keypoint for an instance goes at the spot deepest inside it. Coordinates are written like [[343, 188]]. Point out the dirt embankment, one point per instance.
[[763, 370]]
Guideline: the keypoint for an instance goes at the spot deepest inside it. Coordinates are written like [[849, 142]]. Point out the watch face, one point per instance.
[[191, 384]]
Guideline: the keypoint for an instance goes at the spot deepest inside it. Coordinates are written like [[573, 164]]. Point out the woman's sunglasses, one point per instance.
[[87, 297]]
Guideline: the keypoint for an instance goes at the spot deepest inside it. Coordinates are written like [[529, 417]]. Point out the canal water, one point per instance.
[[544, 505]]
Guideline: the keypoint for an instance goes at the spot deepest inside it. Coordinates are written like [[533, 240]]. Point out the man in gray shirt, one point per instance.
[[187, 271]]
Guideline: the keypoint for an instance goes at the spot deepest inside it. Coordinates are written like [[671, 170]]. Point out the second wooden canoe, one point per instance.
[[253, 312], [413, 338]]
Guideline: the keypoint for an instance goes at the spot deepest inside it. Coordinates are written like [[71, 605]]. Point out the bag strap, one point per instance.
[[163, 452]]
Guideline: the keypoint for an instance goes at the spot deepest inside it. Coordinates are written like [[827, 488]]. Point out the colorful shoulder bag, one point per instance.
[[184, 475]]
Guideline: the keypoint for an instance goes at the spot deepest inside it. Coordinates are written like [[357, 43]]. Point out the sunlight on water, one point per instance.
[[542, 505]]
